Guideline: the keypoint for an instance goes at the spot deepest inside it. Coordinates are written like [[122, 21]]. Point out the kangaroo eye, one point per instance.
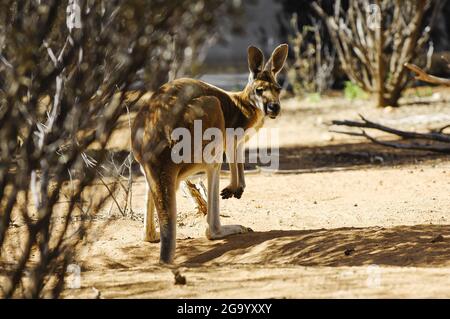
[[259, 91]]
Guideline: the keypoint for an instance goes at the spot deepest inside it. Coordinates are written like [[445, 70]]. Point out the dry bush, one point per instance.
[[374, 39], [62, 88], [314, 60], [435, 141]]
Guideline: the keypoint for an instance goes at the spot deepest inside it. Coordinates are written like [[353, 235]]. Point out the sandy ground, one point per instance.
[[355, 221]]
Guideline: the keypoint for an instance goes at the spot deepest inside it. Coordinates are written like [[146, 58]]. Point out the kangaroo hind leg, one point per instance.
[[164, 198], [215, 230]]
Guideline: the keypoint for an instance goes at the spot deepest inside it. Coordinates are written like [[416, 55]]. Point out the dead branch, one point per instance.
[[440, 137], [425, 77], [411, 146], [432, 136], [197, 194], [442, 129]]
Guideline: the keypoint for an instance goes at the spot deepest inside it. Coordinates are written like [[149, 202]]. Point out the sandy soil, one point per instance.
[[356, 220]]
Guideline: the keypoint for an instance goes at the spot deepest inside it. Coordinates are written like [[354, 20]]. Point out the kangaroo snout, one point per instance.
[[273, 109]]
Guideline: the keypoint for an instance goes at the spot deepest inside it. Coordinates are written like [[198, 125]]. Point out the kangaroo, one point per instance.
[[180, 104]]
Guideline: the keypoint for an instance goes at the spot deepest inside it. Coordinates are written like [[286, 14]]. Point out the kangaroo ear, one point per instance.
[[255, 60], [277, 59]]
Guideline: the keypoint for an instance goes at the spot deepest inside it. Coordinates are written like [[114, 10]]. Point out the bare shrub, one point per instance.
[[63, 84], [313, 67], [374, 40]]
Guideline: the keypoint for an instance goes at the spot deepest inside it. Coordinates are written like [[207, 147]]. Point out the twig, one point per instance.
[[405, 134], [440, 137], [6, 62], [423, 76], [194, 191], [111, 194], [412, 146], [129, 195], [442, 129]]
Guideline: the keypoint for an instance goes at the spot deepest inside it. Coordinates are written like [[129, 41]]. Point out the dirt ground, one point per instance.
[[341, 219]]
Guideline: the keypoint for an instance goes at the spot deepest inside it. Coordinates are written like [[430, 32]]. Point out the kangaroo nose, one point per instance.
[[273, 109]]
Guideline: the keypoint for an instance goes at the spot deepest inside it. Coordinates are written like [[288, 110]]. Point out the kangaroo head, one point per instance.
[[263, 89]]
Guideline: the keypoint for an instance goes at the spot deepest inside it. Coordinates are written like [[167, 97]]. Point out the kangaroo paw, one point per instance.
[[238, 192], [229, 192]]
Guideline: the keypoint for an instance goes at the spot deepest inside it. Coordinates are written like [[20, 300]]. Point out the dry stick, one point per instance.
[[195, 193], [442, 129], [414, 146], [129, 189], [440, 137], [129, 193], [423, 76], [110, 193]]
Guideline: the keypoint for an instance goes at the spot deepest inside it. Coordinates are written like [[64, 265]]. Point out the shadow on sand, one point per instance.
[[306, 159], [418, 246]]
